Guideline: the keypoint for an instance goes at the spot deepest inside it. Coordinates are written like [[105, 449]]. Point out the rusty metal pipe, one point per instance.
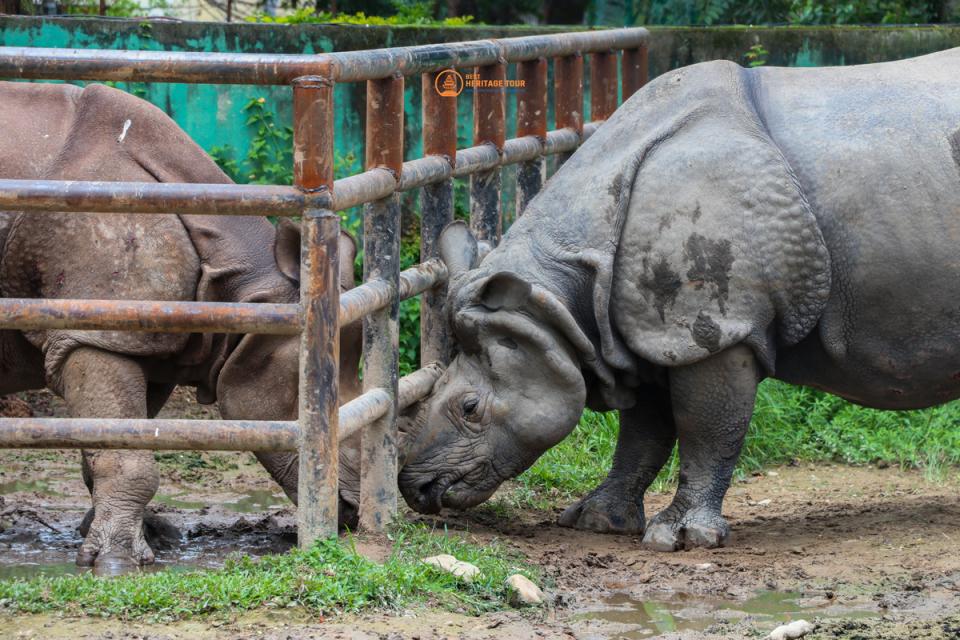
[[374, 404], [381, 338], [255, 68], [224, 199], [317, 488], [155, 434], [436, 203], [361, 188], [162, 316], [202, 435], [568, 96], [532, 124], [424, 172], [603, 85], [377, 294], [489, 128], [633, 70], [150, 197]]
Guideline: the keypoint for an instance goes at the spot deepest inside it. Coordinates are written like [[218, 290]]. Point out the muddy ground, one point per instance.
[[865, 552]]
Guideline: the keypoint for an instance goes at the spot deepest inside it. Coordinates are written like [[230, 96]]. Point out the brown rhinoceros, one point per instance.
[[62, 132]]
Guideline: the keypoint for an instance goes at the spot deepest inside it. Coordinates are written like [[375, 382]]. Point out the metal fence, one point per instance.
[[315, 197]]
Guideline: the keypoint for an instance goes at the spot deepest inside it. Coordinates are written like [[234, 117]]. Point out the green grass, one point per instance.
[[789, 423], [328, 579]]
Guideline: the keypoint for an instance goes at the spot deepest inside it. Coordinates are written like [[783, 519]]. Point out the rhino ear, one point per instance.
[[286, 248], [504, 290], [348, 254], [458, 248]]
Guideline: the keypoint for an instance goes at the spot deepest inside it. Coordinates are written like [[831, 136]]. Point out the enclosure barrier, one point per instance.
[[315, 197]]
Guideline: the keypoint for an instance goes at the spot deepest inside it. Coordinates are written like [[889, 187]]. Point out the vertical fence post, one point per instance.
[[603, 85], [489, 127], [320, 304], [436, 207], [633, 70], [568, 96], [381, 261], [531, 121]]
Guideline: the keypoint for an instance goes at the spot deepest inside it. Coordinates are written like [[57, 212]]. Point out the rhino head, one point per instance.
[[514, 390]]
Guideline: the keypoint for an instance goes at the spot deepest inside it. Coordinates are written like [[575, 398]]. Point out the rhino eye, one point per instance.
[[470, 406]]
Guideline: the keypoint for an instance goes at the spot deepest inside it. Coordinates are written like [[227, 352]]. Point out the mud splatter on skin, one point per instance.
[[706, 333], [712, 261], [664, 283]]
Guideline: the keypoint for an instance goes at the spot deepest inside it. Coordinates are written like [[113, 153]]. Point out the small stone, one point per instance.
[[704, 566], [523, 591], [792, 631], [448, 563], [772, 474]]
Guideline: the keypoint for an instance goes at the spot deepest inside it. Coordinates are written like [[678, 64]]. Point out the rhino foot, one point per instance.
[[114, 546], [696, 528], [606, 509]]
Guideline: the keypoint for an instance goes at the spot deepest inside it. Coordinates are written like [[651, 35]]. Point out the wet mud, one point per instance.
[[863, 553]]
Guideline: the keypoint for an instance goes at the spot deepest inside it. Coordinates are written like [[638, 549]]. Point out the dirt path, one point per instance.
[[868, 553]]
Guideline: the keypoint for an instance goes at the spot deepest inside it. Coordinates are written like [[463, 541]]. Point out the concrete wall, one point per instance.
[[213, 115]]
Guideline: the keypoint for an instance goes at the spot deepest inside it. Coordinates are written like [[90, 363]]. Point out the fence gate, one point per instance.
[[315, 197]]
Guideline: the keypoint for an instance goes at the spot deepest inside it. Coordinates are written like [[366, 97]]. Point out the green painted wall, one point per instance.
[[213, 114]]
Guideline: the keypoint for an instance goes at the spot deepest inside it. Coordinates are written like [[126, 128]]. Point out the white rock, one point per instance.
[[524, 591], [704, 566], [796, 629], [448, 563], [772, 474]]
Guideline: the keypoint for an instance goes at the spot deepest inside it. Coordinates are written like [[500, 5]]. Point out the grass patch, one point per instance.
[[789, 423], [330, 578]]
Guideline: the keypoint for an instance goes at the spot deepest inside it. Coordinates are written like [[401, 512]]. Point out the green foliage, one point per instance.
[[329, 578], [756, 56], [863, 11], [115, 8], [789, 423], [405, 13], [711, 12]]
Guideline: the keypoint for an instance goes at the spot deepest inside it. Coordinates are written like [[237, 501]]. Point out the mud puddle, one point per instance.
[[623, 617], [39, 526], [254, 501]]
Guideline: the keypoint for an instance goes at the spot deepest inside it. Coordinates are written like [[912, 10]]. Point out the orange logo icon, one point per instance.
[[448, 83]]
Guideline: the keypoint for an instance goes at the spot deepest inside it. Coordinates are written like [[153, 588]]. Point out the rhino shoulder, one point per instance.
[[719, 245]]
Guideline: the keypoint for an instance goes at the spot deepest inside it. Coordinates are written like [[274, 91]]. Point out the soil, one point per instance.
[[865, 553]]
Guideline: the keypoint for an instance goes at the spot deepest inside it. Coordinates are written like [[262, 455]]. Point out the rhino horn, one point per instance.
[[458, 249]]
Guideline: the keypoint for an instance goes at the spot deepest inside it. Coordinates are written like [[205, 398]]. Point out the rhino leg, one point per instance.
[[712, 405], [98, 384], [644, 444], [158, 531]]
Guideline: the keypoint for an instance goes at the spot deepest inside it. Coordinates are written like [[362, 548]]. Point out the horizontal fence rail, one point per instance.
[[202, 435], [39, 63], [315, 197]]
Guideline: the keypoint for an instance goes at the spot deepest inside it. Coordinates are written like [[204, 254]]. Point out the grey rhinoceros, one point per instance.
[[62, 132], [724, 226]]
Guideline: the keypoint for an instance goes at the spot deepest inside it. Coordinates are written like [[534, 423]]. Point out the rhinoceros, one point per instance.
[[725, 225], [62, 132]]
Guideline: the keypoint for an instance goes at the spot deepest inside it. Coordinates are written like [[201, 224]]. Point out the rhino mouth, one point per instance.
[[428, 497]]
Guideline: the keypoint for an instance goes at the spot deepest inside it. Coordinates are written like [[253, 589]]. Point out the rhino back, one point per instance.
[[876, 149]]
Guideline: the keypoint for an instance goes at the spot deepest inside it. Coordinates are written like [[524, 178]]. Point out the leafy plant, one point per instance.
[[115, 8], [756, 56], [405, 13]]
